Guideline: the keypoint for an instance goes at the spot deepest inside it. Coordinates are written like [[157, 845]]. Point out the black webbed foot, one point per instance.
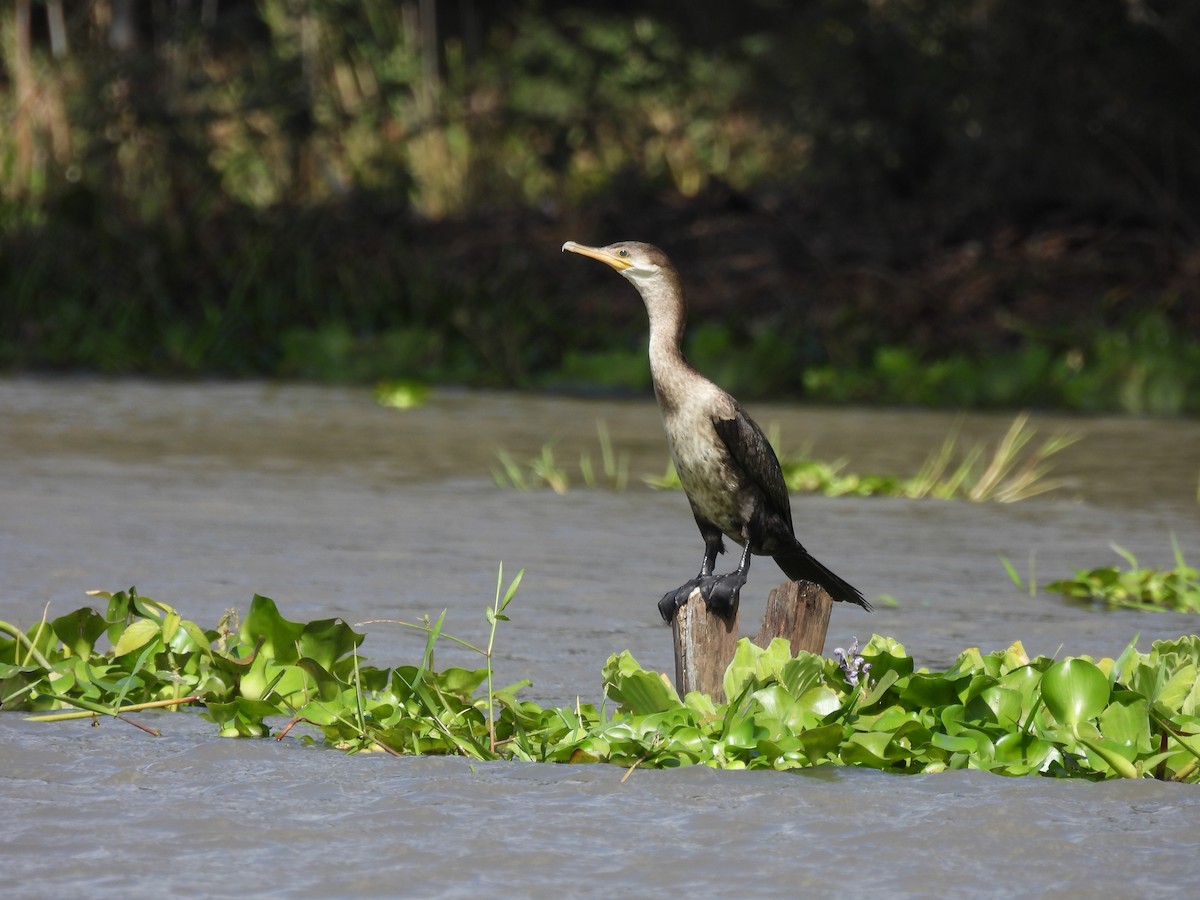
[[721, 594], [673, 600]]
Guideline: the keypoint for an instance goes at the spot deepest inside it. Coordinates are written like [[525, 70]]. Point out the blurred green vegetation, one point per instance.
[[900, 201]]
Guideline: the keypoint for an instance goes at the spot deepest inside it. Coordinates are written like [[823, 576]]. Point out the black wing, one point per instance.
[[751, 453]]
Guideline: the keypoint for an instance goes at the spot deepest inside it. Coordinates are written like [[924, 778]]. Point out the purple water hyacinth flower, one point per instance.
[[853, 666]]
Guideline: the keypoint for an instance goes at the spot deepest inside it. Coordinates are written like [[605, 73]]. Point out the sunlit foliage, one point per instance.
[[1137, 716]]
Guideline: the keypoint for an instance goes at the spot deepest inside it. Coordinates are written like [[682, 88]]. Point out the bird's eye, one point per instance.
[[622, 253]]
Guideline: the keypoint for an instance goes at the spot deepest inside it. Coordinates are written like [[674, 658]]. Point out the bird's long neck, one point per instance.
[[667, 318], [667, 310]]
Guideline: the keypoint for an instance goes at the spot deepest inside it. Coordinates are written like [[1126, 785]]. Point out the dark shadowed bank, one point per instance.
[[937, 203]]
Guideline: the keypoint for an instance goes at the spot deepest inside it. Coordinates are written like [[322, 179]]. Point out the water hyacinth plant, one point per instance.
[[1137, 716], [1152, 590], [1176, 589]]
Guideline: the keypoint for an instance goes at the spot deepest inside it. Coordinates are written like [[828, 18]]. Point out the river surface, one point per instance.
[[203, 494]]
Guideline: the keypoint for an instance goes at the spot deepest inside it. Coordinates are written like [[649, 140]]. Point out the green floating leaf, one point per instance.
[[821, 742], [190, 638], [462, 683], [1020, 753], [742, 667], [867, 749], [328, 687], [79, 630], [1126, 721], [637, 691], [1075, 691], [242, 717], [924, 689], [137, 635], [327, 641], [279, 636], [402, 394]]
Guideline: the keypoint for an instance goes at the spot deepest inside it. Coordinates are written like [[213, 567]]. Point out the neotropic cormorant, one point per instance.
[[726, 465]]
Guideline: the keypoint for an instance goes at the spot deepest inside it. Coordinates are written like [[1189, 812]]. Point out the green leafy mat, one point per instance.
[[1134, 717]]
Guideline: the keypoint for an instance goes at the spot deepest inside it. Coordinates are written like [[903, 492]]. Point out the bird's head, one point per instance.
[[642, 264]]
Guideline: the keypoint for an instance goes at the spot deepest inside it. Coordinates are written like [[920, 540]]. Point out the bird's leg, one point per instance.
[[722, 593], [672, 600], [712, 546]]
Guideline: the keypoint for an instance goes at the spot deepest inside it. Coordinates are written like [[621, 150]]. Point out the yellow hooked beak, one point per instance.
[[604, 254]]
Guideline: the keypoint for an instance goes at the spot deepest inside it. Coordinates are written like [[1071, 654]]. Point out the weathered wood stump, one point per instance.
[[798, 611], [704, 644], [702, 641]]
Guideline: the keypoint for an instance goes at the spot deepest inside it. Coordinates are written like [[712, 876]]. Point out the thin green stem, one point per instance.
[[428, 629], [90, 711], [24, 641]]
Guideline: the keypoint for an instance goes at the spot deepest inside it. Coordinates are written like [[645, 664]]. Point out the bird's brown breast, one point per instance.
[[706, 470]]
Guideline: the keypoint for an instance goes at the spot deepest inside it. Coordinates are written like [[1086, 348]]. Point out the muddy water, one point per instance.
[[202, 495]]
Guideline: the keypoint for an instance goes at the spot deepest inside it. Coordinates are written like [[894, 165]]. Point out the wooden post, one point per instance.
[[705, 644], [798, 611]]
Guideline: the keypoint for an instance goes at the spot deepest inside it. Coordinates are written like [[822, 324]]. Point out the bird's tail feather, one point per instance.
[[799, 565]]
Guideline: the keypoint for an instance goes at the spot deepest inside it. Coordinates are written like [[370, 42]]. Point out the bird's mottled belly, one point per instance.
[[704, 472]]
